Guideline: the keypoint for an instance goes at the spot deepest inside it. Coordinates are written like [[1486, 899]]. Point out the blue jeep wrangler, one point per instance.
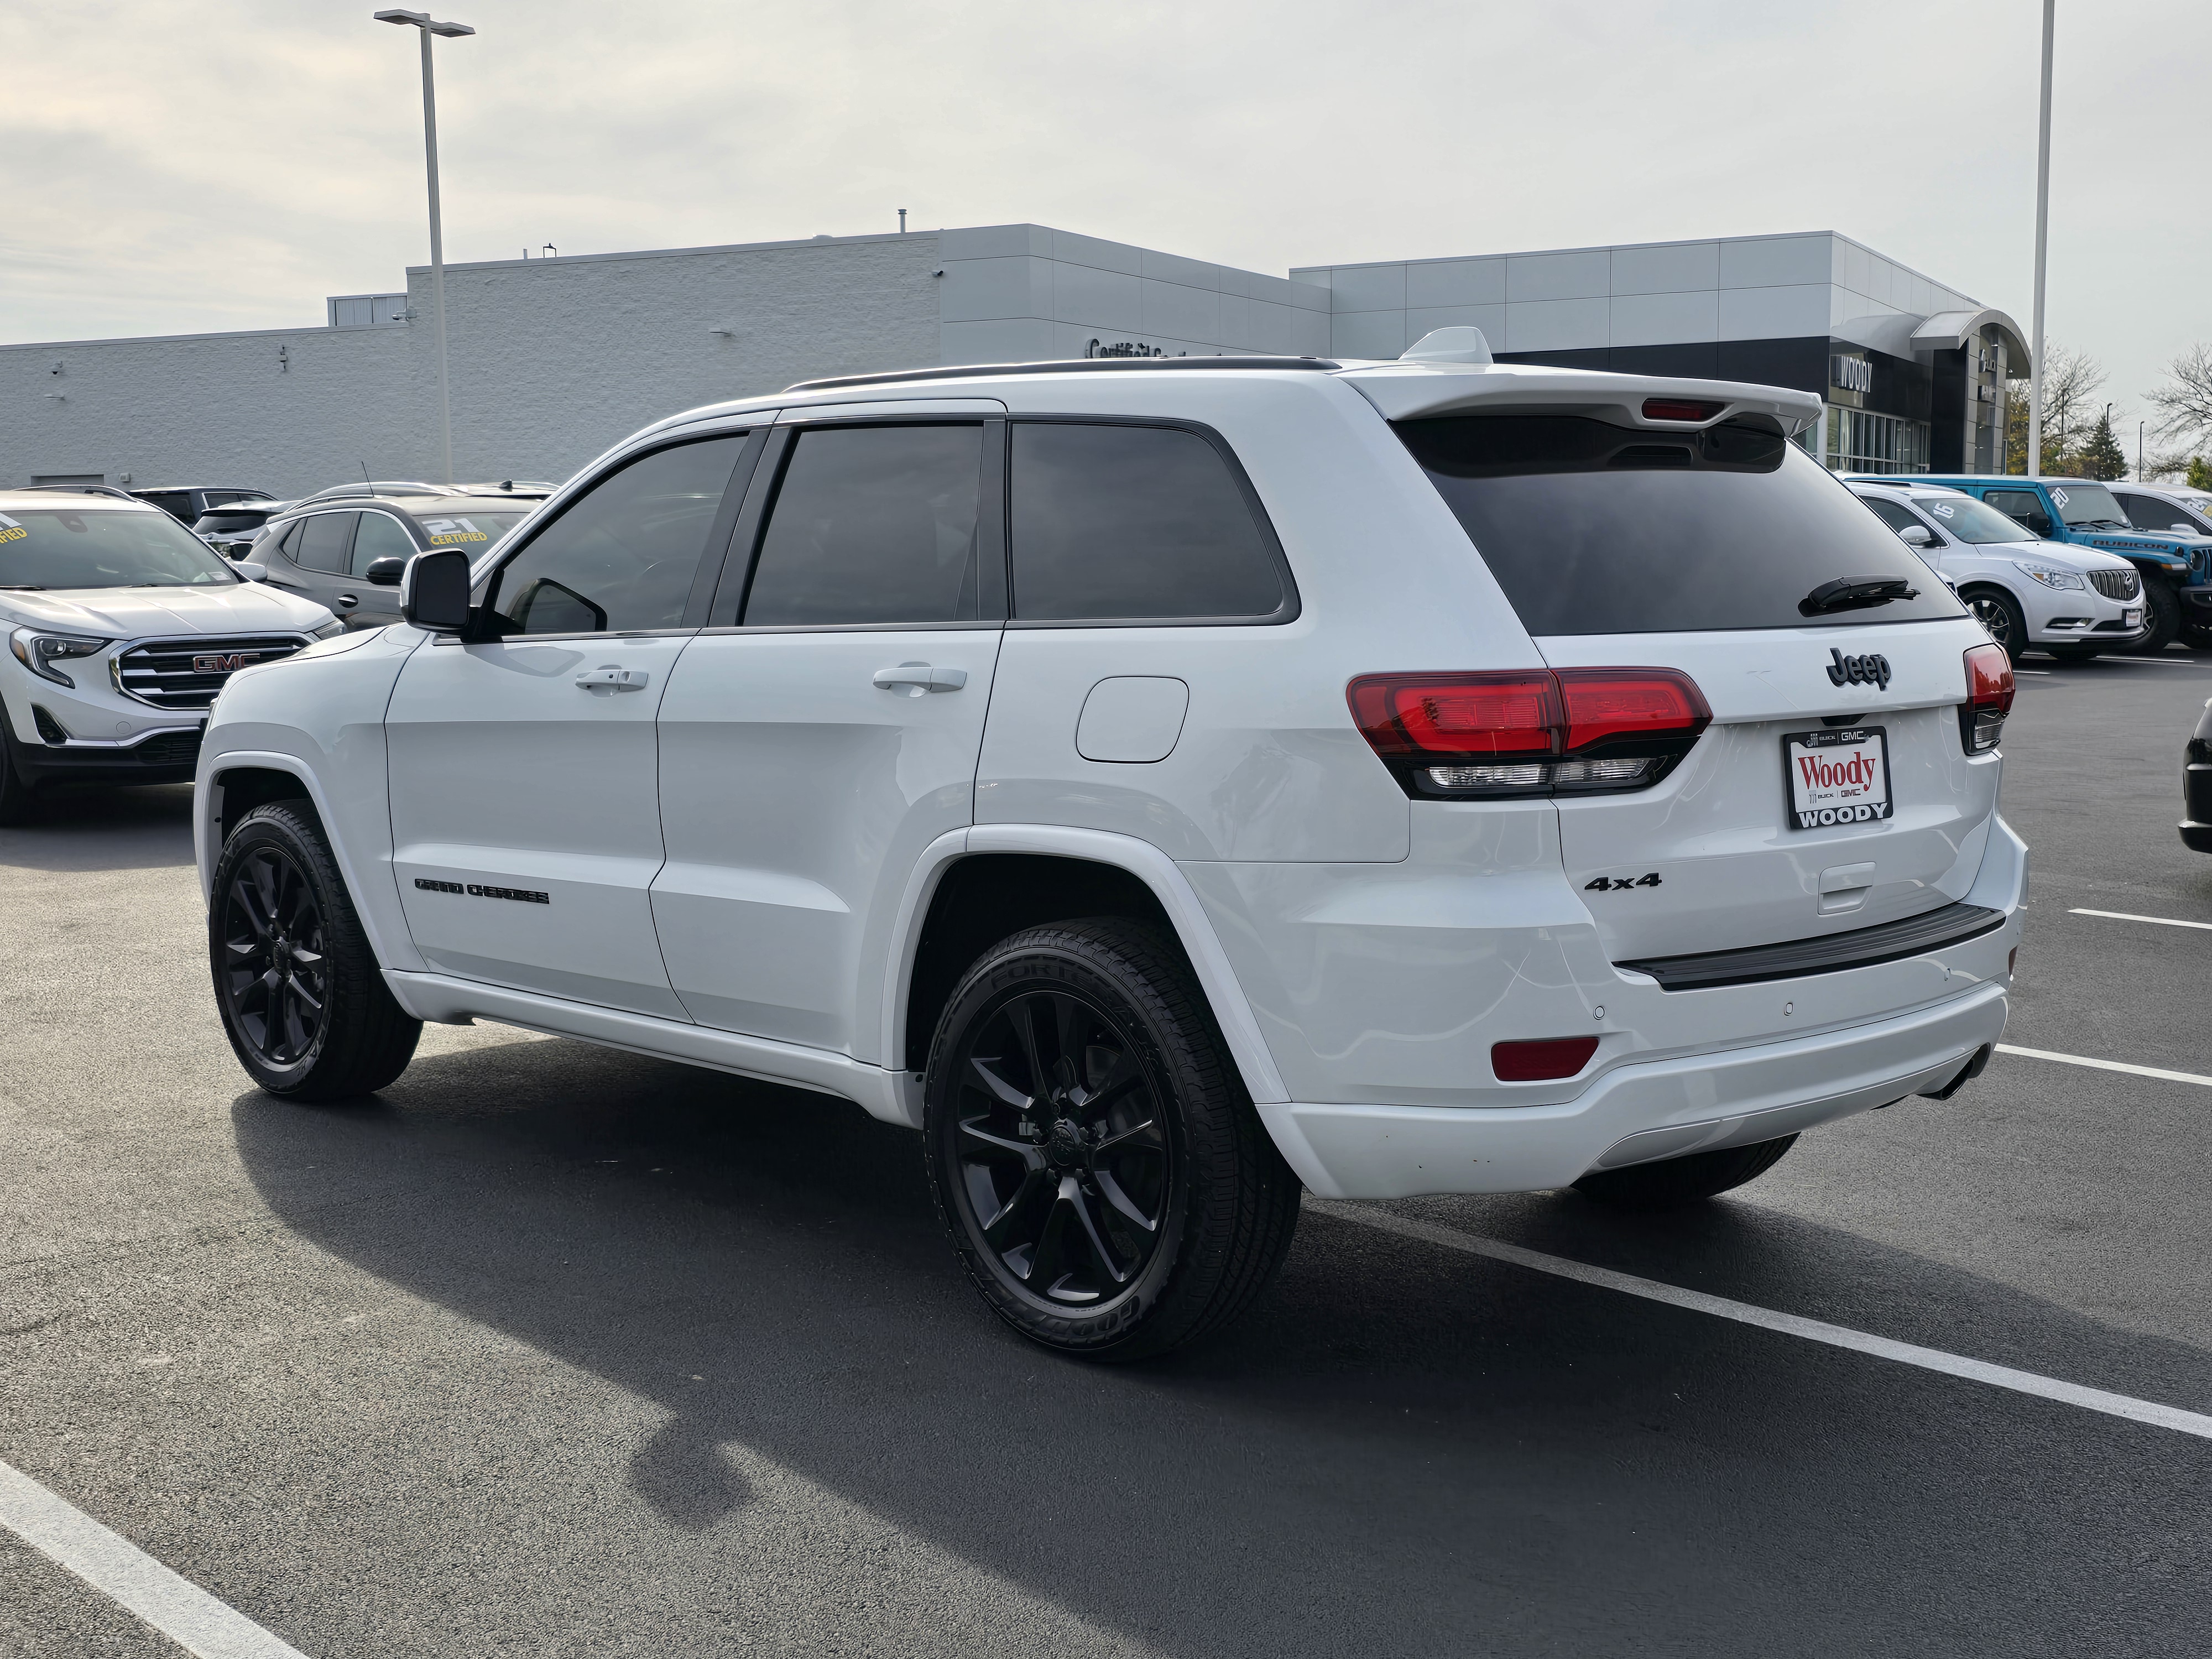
[[2177, 581]]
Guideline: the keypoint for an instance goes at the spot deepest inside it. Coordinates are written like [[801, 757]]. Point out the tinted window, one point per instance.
[[379, 537], [2148, 512], [177, 503], [289, 544], [1592, 528], [624, 554], [1895, 514], [323, 540], [1115, 522], [1971, 520], [2023, 507], [873, 525]]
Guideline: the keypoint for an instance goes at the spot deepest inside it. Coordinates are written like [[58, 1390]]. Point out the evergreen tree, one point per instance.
[[2102, 456], [2200, 475]]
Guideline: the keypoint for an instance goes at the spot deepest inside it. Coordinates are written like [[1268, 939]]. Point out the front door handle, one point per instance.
[[916, 677], [347, 601], [610, 678]]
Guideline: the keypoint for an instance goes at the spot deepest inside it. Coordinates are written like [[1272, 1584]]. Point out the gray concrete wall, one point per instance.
[[553, 360]]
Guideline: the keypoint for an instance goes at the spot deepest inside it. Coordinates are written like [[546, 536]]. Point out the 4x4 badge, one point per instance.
[[1621, 884], [1870, 670]]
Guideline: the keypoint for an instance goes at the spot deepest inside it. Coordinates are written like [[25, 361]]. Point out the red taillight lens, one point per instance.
[[1679, 409], [1529, 732], [1604, 703], [1538, 1061], [1458, 714], [1989, 698]]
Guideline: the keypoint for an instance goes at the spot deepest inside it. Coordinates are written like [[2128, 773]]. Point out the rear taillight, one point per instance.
[[1989, 698], [1529, 732], [1540, 1060]]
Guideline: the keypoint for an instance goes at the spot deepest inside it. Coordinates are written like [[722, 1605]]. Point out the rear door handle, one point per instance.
[[610, 679], [347, 601], [916, 677]]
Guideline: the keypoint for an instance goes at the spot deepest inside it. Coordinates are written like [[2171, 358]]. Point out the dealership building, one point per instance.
[[552, 360]]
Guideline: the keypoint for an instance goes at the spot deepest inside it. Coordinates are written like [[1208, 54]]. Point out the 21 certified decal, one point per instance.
[[449, 532], [10, 530]]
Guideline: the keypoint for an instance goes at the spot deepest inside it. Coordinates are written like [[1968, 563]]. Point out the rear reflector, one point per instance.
[[1989, 698], [1539, 1062], [1679, 409], [1529, 730]]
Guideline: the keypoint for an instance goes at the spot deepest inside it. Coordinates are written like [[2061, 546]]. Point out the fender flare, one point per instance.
[[399, 954], [1217, 979]]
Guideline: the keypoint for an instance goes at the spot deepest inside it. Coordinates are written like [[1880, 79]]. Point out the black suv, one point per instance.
[[324, 549], [186, 503]]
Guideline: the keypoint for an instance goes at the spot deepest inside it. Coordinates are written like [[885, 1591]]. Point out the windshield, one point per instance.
[[64, 549], [1971, 520], [2085, 505], [1592, 528], [474, 531]]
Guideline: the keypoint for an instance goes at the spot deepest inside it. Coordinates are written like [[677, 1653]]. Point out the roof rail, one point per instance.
[[1072, 365], [84, 489]]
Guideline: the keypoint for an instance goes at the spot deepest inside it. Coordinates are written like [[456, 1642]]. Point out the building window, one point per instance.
[[1860, 440]]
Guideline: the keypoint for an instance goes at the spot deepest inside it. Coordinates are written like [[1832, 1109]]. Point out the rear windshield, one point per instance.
[[1592, 528], [63, 548]]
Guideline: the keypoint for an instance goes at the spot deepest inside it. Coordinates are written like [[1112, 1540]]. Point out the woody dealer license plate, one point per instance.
[[1837, 777]]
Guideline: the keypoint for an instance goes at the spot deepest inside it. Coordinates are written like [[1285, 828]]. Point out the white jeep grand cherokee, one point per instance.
[[121, 627], [1163, 783]]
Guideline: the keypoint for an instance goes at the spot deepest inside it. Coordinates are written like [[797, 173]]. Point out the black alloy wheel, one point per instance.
[[2000, 617], [1096, 1163], [302, 999], [274, 974], [1059, 1140]]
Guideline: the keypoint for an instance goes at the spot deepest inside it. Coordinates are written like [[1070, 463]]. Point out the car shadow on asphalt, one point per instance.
[[1400, 1450], [148, 828]]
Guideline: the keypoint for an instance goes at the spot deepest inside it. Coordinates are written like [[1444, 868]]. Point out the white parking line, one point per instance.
[[2105, 1064], [1812, 1330], [2122, 915], [117, 1567]]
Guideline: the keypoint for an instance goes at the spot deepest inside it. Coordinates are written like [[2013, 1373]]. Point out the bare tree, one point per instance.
[[2183, 403], [2070, 380]]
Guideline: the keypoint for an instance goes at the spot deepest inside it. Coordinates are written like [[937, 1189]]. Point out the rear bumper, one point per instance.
[[1635, 1113]]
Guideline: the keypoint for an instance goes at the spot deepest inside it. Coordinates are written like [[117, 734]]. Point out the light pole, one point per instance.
[[2042, 240], [421, 21]]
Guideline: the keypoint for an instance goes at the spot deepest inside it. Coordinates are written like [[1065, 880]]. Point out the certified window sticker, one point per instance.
[[448, 532], [10, 530]]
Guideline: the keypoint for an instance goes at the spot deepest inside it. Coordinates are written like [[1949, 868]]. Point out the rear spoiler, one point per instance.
[[1410, 391]]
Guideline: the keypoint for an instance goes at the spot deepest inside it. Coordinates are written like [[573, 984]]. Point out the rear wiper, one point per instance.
[[1856, 593]]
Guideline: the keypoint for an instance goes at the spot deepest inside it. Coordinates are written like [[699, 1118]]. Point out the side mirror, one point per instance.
[[385, 573], [251, 571], [1913, 535], [434, 593]]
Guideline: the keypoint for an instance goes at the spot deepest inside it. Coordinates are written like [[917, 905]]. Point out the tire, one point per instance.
[[2197, 638], [1999, 613], [2071, 652], [18, 805], [306, 1009], [2163, 606], [1154, 1207], [1676, 1180]]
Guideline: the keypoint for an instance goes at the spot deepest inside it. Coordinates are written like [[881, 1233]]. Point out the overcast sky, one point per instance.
[[170, 168]]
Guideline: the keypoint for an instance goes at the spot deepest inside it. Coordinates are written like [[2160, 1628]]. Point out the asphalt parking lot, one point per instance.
[[555, 1350]]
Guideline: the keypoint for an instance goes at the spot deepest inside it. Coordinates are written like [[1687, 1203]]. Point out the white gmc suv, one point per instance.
[[1163, 783]]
